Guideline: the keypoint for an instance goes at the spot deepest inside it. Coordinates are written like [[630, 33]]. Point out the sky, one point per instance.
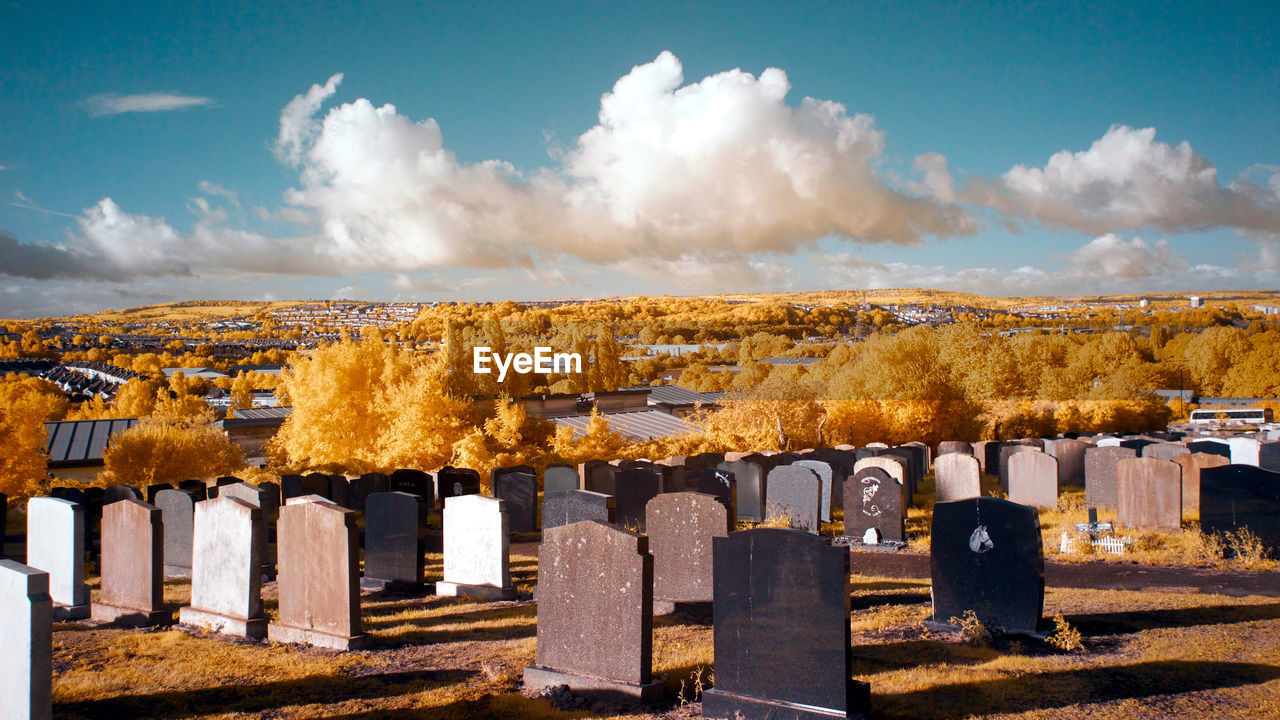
[[152, 152]]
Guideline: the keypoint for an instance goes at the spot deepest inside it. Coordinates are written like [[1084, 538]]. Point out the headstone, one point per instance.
[[1007, 451], [4, 522], [1269, 456], [55, 544], [1033, 480], [26, 643], [927, 457], [257, 497], [197, 488], [94, 498], [559, 478], [1165, 451], [749, 476], [826, 474], [153, 490], [986, 555], [1192, 464], [1136, 443], [395, 541], [680, 527], [782, 637], [132, 566], [873, 500], [291, 486], [951, 446], [476, 560], [1149, 494], [362, 487], [319, 581], [1211, 447], [983, 450], [1244, 450], [1070, 455], [566, 508], [634, 488], [519, 489], [795, 493], [1100, 473], [595, 613], [913, 459], [453, 482], [339, 492], [1233, 497], [898, 469], [598, 477], [415, 482], [177, 514], [721, 484], [116, 493], [226, 569], [956, 476]]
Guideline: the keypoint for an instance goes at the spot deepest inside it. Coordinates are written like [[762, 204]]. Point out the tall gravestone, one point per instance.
[[951, 446], [56, 545], [197, 488], [1149, 494], [116, 493], [1269, 456], [1234, 497], [749, 481], [1100, 473], [986, 555], [1070, 455], [340, 491], [826, 473], [1244, 450], [177, 514], [781, 636], [681, 527], [257, 497], [395, 541], [359, 489], [795, 493], [1211, 447], [595, 613], [1033, 480], [956, 476], [1007, 451], [476, 549], [518, 487], [873, 501], [1165, 451], [226, 569], [559, 478], [634, 488], [598, 476], [26, 643], [718, 483], [132, 566], [566, 508], [414, 482], [1192, 464], [319, 576]]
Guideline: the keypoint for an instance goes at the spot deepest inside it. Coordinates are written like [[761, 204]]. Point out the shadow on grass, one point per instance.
[[1044, 691], [319, 689], [917, 653], [431, 630], [1138, 620], [905, 597]]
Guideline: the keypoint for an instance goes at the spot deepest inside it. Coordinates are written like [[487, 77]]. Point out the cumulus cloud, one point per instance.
[[1115, 257], [1128, 180], [112, 104], [43, 261], [296, 125]]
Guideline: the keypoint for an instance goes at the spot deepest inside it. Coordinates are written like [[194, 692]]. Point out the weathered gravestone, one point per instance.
[[197, 488], [255, 496], [455, 482], [898, 469], [339, 491], [1192, 464], [795, 493], [956, 476], [873, 501], [566, 508], [1100, 473], [476, 559], [595, 613], [518, 487], [984, 450], [177, 514], [55, 544], [116, 493], [1070, 455], [951, 446], [634, 488], [781, 637], [153, 490], [1269, 456], [395, 541], [132, 566], [680, 527], [26, 643], [1033, 480], [599, 476], [414, 482], [1007, 451], [1149, 494], [718, 483], [359, 489], [319, 581], [559, 478], [986, 555], [1234, 497], [1244, 450], [1165, 451], [912, 460], [826, 473], [226, 569], [749, 476], [1136, 443], [1211, 447]]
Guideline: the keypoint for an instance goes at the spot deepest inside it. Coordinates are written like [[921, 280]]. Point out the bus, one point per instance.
[[1240, 416]]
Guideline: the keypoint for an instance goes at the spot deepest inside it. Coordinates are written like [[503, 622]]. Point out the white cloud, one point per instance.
[[296, 126], [1128, 180], [112, 104], [214, 189], [1115, 257]]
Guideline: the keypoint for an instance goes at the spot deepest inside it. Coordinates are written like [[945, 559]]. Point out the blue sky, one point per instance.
[[149, 135]]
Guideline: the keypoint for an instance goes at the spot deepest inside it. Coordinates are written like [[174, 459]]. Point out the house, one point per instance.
[[75, 446]]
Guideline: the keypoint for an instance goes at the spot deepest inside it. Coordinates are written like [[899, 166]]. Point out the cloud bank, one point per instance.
[[112, 104]]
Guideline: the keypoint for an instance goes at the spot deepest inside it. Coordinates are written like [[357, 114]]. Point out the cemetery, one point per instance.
[[954, 581]]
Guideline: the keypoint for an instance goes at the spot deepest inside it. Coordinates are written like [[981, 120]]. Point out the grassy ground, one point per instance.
[[1144, 654]]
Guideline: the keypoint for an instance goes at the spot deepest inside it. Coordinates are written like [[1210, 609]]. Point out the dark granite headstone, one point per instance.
[[177, 512], [198, 488], [1164, 451], [718, 483], [153, 489], [315, 484], [451, 482], [75, 495], [116, 493], [599, 477], [291, 486], [635, 488], [94, 499], [1233, 497], [1100, 473], [362, 487], [340, 491], [1210, 447], [560, 478], [950, 446], [796, 493], [749, 476], [519, 487], [873, 499], [415, 482], [595, 612], [571, 506], [1269, 456], [703, 460], [782, 637], [395, 541], [680, 527], [826, 473], [919, 462], [986, 555]]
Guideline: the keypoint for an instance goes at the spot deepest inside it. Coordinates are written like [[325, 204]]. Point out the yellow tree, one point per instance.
[[26, 403], [164, 449]]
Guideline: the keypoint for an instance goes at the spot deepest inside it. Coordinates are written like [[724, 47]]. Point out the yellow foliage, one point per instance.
[[26, 403], [166, 449]]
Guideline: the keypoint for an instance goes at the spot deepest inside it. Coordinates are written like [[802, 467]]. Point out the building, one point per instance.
[[75, 446], [1196, 302]]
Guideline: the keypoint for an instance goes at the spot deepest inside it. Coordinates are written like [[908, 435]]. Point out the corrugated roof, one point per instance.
[[81, 442], [639, 425], [676, 395], [264, 413]]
